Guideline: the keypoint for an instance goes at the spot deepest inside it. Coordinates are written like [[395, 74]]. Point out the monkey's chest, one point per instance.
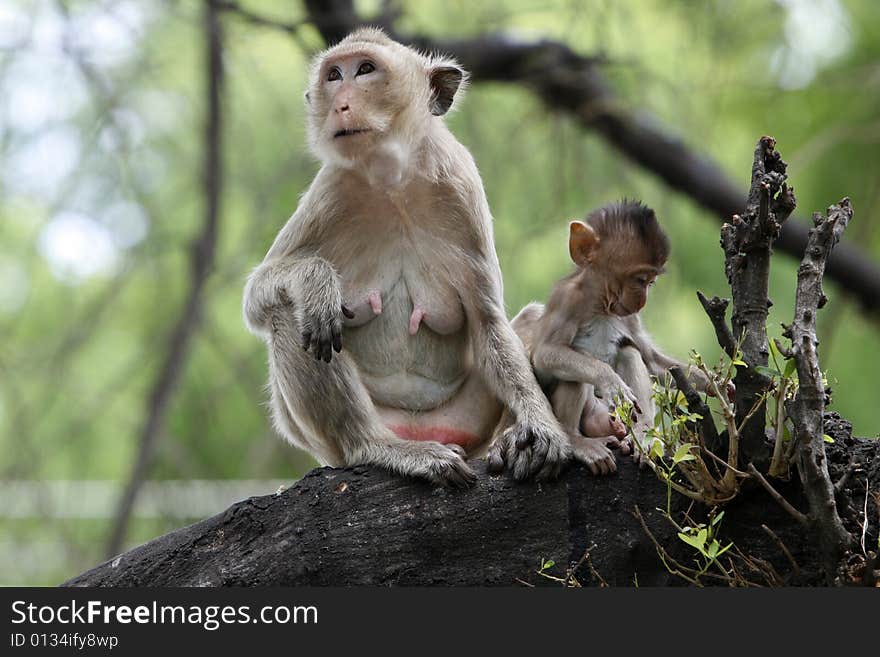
[[601, 338], [411, 346]]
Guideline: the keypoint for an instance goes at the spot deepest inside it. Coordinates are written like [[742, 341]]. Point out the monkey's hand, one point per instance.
[[320, 316], [530, 450], [609, 386]]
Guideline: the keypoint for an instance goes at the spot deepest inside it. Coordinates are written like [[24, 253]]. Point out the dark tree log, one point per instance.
[[363, 526]]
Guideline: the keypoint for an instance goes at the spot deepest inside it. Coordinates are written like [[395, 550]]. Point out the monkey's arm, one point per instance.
[[659, 363], [298, 281], [294, 279], [553, 357]]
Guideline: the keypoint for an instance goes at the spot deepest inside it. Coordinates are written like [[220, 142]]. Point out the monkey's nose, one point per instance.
[[342, 108]]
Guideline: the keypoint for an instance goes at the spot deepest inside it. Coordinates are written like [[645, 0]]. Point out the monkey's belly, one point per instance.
[[468, 419], [412, 372]]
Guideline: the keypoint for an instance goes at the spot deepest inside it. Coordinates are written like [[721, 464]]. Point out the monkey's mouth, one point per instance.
[[349, 131]]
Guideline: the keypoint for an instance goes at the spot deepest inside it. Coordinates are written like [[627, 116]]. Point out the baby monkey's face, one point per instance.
[[627, 289]]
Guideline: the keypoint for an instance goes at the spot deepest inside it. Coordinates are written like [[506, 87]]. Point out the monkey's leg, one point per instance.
[[632, 369], [325, 408], [569, 401]]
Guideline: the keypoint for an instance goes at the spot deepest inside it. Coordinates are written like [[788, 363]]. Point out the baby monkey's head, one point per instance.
[[623, 249]]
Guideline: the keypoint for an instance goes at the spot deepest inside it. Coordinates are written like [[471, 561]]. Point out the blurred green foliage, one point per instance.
[[101, 124]]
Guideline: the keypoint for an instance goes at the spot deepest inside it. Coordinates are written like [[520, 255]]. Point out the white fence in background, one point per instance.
[[90, 499]]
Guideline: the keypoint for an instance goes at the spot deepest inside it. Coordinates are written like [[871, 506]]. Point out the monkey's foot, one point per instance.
[[530, 451], [443, 465], [601, 424], [593, 453]]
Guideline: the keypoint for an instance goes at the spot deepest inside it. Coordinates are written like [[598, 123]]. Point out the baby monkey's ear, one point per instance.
[[582, 243]]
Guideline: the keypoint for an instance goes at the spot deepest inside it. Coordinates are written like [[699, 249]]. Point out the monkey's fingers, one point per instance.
[[556, 460], [524, 439], [495, 459], [522, 465], [337, 336], [454, 474], [327, 348], [458, 449], [306, 339]]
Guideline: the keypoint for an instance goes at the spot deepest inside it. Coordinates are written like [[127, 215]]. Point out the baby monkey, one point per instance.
[[587, 345]]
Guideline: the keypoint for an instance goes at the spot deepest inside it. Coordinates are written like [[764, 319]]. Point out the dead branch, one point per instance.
[[747, 242], [775, 494], [808, 406]]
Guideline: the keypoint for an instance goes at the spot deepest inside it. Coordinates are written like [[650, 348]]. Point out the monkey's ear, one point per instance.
[[582, 243], [445, 81]]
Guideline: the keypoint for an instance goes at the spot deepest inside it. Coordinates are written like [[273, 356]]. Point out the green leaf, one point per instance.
[[656, 450], [738, 363], [702, 534], [767, 371], [717, 519], [693, 541], [683, 453], [827, 438], [547, 564], [790, 367]]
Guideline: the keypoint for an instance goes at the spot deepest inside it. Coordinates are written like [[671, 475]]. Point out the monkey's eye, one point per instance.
[[366, 67], [334, 74]]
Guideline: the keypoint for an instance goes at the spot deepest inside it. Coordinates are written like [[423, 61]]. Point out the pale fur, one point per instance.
[[403, 217]]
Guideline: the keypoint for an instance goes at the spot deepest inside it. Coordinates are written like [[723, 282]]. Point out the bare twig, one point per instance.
[[202, 260], [690, 575], [851, 467], [716, 309], [796, 569], [784, 503], [779, 464]]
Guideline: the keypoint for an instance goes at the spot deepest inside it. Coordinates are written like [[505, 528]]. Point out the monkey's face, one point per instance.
[[353, 104], [627, 288], [370, 93]]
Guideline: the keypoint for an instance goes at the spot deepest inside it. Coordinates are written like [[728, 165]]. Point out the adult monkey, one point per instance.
[[390, 254]]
